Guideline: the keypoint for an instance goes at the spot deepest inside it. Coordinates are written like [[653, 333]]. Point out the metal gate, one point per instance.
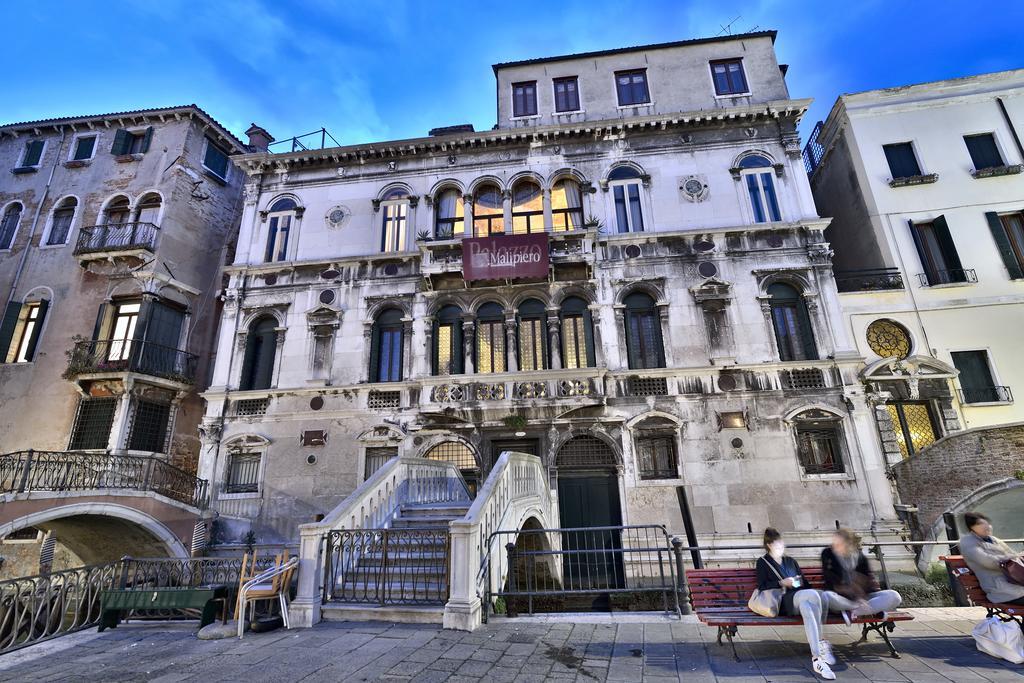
[[544, 567], [387, 566]]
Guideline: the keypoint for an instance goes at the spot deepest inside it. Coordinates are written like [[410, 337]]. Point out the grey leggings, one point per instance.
[[813, 606], [879, 601]]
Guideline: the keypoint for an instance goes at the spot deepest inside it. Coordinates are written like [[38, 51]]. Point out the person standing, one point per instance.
[[849, 582], [983, 553], [776, 570]]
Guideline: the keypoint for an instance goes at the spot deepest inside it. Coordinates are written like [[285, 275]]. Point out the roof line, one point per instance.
[[653, 46]]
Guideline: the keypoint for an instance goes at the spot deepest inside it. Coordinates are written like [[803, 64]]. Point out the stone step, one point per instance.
[[413, 558], [438, 510], [402, 614], [431, 523], [419, 590]]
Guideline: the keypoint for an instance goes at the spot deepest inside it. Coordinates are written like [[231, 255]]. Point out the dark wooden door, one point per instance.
[[591, 499]]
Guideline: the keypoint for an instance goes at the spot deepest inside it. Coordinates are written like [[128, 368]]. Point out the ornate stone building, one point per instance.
[[626, 277]]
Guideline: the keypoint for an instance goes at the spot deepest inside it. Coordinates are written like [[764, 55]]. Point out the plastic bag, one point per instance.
[[1003, 639]]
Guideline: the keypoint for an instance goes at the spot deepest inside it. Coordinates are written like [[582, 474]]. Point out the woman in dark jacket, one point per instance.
[[775, 569], [850, 586]]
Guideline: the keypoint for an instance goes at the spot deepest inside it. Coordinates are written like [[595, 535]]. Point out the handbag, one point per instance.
[[766, 602], [1013, 570], [1003, 639]]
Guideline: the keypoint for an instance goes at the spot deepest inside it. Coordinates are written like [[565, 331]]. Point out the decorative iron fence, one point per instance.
[[947, 277], [30, 470], [38, 608], [994, 394], [868, 279], [387, 566], [550, 566], [813, 150], [116, 237], [132, 355]]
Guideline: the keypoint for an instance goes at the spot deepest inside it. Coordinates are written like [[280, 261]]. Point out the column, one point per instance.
[[506, 209], [423, 364], [555, 340], [511, 348], [467, 211], [548, 221], [407, 358], [468, 338]]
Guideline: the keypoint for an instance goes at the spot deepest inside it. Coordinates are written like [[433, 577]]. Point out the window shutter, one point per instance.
[[458, 354], [375, 354], [588, 337], [659, 343], [33, 153], [8, 325], [632, 342], [121, 142], [30, 352], [946, 242], [1002, 241], [806, 331], [922, 253], [101, 315], [146, 139]]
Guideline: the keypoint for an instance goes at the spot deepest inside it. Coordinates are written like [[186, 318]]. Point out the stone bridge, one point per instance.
[[100, 506]]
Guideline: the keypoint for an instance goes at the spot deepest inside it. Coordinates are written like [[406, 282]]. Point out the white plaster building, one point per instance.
[[924, 187], [678, 358]]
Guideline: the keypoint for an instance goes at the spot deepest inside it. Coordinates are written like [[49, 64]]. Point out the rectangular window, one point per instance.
[[938, 254], [390, 367], [395, 216], [631, 87], [149, 428], [574, 341], [33, 153], [531, 344], [657, 455], [818, 449], [1008, 233], [763, 201], [490, 347], [644, 340], [84, 147], [524, 99], [123, 331], [216, 160], [567, 94], [629, 216], [729, 77], [913, 425], [983, 150], [976, 382], [92, 423], [277, 242], [27, 333], [243, 474], [902, 161], [131, 142], [377, 457]]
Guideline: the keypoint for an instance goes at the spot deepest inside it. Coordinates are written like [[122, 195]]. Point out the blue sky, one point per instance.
[[369, 70]]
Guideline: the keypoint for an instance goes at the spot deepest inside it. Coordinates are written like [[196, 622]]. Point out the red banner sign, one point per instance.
[[505, 256]]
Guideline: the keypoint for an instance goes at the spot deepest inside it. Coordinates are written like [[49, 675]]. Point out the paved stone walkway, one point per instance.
[[936, 647]]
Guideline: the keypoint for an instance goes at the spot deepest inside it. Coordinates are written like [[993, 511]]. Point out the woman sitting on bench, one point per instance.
[[849, 584], [983, 552], [775, 569]]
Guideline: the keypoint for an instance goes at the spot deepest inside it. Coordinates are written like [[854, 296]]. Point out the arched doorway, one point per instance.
[[590, 512], [460, 455]]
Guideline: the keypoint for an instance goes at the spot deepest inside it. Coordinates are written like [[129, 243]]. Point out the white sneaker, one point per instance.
[[846, 617], [825, 652], [822, 669]]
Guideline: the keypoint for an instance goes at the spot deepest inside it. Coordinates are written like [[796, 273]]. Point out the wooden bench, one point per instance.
[[114, 604], [719, 598], [976, 595]]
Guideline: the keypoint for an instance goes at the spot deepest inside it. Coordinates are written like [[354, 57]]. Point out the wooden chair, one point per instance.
[[270, 584]]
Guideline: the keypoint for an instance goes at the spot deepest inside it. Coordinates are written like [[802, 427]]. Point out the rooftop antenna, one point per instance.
[[727, 28]]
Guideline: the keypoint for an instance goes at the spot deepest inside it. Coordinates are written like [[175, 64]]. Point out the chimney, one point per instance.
[[259, 138]]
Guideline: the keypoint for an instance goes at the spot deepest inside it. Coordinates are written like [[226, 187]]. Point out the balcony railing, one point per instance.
[[24, 471], [120, 355], [998, 394], [869, 279], [947, 277], [116, 237]]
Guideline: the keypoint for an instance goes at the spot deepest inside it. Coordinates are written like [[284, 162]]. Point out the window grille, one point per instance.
[[818, 449], [92, 423], [384, 399], [251, 407], [913, 425], [657, 456], [243, 473], [811, 378], [29, 533], [376, 457], [455, 452], [647, 386], [150, 426], [585, 452]]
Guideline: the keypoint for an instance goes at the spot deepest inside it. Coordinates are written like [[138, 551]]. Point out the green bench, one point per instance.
[[115, 603]]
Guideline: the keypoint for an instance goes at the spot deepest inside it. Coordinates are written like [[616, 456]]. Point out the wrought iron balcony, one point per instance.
[[869, 279], [947, 277], [999, 394], [143, 357], [116, 237]]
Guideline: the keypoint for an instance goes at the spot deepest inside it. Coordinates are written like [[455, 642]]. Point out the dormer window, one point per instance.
[[524, 99], [632, 87], [757, 172]]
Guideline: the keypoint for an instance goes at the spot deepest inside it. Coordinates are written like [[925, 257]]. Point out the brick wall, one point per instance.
[[956, 466]]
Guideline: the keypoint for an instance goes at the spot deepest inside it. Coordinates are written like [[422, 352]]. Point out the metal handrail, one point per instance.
[[132, 355], [116, 236], [947, 277]]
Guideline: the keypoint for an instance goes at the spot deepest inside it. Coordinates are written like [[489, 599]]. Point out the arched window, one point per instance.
[[819, 442], [533, 336], [757, 173], [395, 210], [577, 334], [19, 331], [527, 208], [643, 332], [117, 212], [60, 223], [148, 210], [625, 183], [448, 354], [792, 323], [260, 352], [460, 455], [490, 339], [449, 215], [585, 452], [566, 206], [9, 225], [279, 219], [488, 212], [386, 350]]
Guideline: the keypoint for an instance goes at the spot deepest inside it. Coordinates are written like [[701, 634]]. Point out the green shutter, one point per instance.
[[7, 327], [946, 243], [122, 142], [375, 354], [806, 331], [921, 253], [101, 315], [33, 153], [632, 352], [146, 139], [588, 336], [458, 352], [1002, 241], [30, 352]]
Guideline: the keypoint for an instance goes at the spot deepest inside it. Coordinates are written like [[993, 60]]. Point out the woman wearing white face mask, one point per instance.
[[775, 569]]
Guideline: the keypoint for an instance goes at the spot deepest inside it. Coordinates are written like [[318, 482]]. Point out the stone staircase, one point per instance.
[[402, 574]]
